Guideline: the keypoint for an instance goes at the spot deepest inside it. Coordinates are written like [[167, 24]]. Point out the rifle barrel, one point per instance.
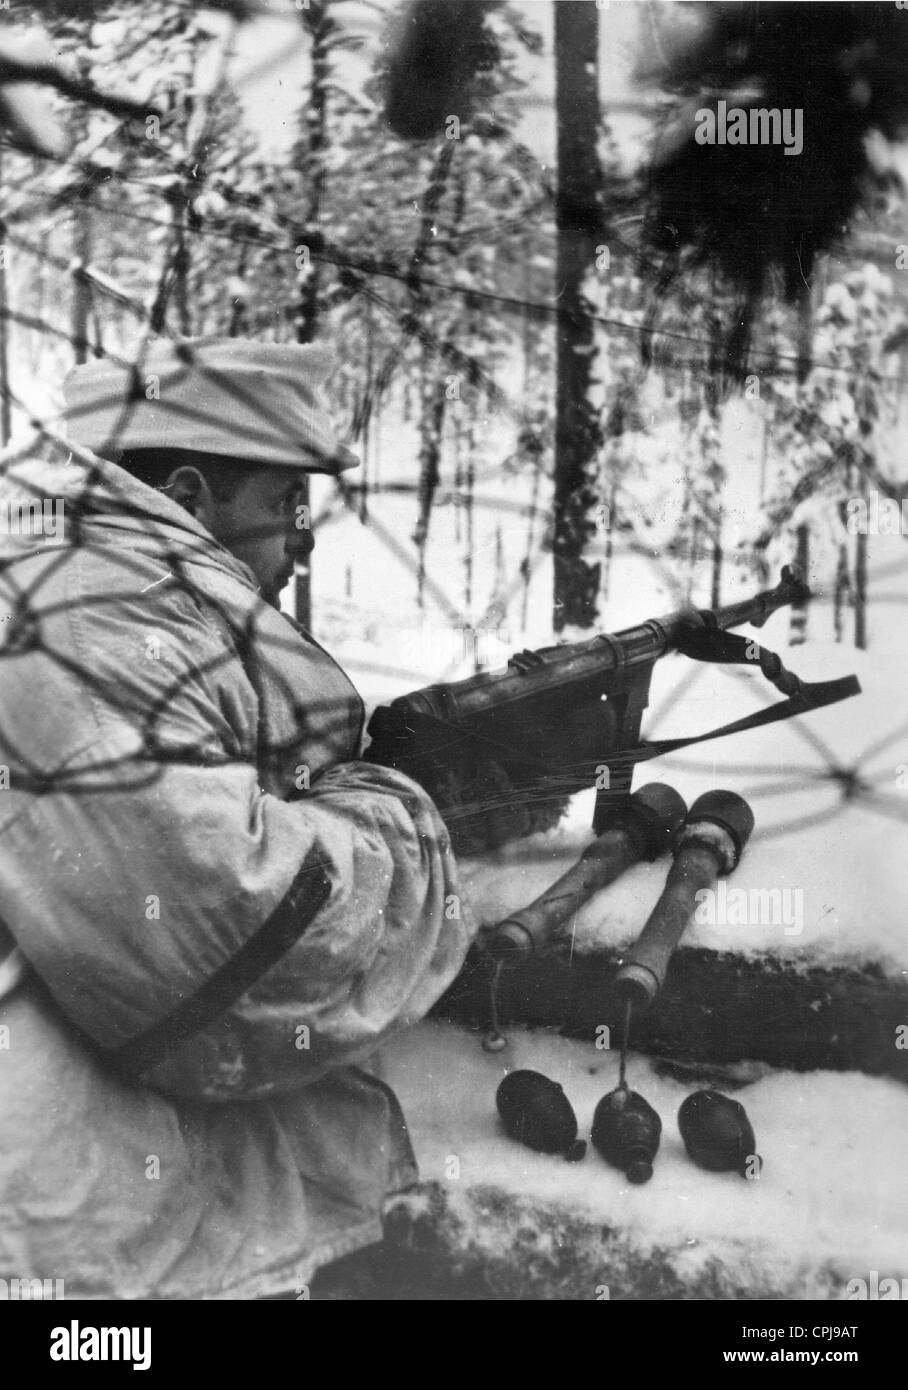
[[595, 659]]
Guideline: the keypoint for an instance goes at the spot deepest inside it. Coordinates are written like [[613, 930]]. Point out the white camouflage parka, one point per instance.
[[212, 915]]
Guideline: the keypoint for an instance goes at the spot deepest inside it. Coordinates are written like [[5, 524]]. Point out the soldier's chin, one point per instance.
[[271, 593]]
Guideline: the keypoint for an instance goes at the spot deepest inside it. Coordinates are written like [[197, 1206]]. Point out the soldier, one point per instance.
[[214, 912]]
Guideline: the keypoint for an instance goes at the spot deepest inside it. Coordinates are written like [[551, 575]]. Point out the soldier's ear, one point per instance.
[[187, 486]]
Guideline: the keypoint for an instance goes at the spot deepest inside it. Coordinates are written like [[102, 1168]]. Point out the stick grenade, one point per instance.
[[709, 844], [641, 829]]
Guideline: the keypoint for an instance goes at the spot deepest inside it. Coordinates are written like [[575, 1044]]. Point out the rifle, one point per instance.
[[498, 752]]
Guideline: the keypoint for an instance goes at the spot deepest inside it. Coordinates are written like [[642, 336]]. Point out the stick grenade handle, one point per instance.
[[709, 844], [643, 828]]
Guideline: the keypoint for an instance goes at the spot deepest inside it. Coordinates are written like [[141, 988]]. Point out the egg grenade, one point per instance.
[[718, 1135], [536, 1112], [626, 1132]]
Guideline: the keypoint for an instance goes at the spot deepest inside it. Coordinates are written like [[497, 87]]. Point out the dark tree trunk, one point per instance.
[[81, 289], [433, 388], [174, 282], [805, 331], [237, 323], [458, 485], [578, 211], [842, 592], [610, 541], [860, 591], [5, 403], [526, 565], [693, 557], [81, 302], [367, 414], [716, 587], [431, 423], [181, 269], [797, 628], [470, 474], [320, 27]]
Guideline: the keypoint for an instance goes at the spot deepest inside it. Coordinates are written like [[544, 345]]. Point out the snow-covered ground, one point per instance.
[[830, 1197]]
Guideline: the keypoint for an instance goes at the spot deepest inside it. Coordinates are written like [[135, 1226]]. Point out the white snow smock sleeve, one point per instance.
[[378, 953], [161, 881]]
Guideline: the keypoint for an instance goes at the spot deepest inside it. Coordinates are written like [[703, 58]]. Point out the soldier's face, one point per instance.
[[263, 525]]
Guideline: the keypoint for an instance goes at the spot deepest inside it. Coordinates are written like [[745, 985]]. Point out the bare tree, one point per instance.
[[579, 224]]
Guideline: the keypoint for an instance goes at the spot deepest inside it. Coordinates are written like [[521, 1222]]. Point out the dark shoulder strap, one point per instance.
[[307, 896]]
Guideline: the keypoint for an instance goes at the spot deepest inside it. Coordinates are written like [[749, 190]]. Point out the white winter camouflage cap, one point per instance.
[[232, 396]]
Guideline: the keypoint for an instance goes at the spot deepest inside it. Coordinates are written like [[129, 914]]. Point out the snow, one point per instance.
[[830, 1193]]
